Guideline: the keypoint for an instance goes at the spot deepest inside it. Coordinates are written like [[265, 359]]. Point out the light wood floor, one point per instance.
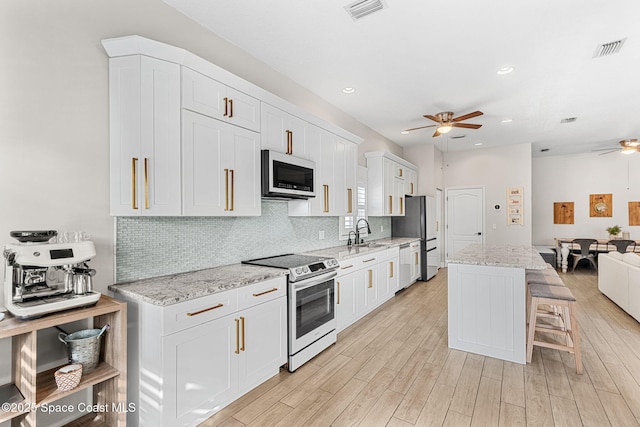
[[394, 368]]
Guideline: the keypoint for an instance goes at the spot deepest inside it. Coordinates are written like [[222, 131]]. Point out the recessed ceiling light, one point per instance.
[[404, 132], [348, 90], [478, 144], [506, 70], [507, 120]]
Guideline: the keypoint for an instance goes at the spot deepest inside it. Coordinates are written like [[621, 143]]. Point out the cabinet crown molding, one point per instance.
[[390, 156]]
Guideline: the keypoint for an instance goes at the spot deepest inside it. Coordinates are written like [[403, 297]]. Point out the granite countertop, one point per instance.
[[180, 287], [342, 253], [175, 288], [500, 256]]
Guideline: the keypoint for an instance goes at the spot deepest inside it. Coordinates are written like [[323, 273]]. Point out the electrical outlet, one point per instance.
[[321, 235], [382, 228]]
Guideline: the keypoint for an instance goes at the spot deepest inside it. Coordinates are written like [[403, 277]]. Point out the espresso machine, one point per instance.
[[42, 278]]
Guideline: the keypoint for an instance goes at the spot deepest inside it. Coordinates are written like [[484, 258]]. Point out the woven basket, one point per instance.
[[68, 377]]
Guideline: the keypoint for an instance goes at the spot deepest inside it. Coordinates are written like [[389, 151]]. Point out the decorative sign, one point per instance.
[[634, 213], [563, 213], [600, 205], [515, 209]]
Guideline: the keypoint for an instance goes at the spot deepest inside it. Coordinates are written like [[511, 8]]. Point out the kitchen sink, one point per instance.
[[370, 245]]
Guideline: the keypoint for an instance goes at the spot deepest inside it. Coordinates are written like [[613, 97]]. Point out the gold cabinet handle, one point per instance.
[[226, 189], [326, 198], [233, 189], [349, 200], [226, 107], [400, 171], [134, 186], [401, 205], [437, 225], [416, 258], [265, 292], [242, 348], [412, 188], [195, 313], [346, 266], [237, 336], [146, 183], [390, 204], [370, 278], [289, 142], [369, 260], [230, 108], [391, 269], [338, 283]]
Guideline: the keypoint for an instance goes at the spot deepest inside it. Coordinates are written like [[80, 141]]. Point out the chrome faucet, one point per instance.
[[358, 229]]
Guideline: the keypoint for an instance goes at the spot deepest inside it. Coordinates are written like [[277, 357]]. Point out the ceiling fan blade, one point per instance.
[[436, 133], [466, 125], [421, 127], [467, 116], [607, 152], [430, 117], [606, 149]]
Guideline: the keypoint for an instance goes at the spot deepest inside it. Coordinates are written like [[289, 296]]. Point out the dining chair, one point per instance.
[[622, 245], [584, 252]]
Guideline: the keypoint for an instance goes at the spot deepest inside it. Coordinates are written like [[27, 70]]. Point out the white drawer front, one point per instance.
[[197, 311], [349, 265], [258, 293]]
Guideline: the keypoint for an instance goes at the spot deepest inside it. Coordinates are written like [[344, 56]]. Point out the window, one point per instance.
[[348, 223]]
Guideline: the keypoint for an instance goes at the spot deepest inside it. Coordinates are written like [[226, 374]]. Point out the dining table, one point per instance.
[[564, 246]]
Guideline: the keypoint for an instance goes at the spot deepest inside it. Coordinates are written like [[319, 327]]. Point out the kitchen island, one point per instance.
[[487, 299]]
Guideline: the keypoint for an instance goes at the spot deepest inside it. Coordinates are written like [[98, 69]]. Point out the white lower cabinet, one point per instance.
[[191, 359], [365, 282], [415, 261]]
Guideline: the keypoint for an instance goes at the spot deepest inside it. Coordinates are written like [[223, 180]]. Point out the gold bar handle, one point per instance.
[[400, 171], [369, 260], [265, 292], [226, 107], [437, 225], [134, 186], [346, 266], [370, 278], [338, 283], [146, 183], [416, 258], [390, 268], [326, 198], [233, 190], [226, 189], [412, 188], [390, 204], [401, 205], [243, 343], [289, 142], [195, 313], [349, 200], [237, 336], [230, 108]]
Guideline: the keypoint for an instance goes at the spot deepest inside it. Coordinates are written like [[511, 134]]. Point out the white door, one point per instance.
[[465, 217], [439, 240]]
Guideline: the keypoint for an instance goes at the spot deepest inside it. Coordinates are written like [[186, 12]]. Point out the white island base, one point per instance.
[[487, 313]]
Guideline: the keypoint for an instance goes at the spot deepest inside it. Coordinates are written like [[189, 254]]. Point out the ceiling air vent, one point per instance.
[[609, 48], [363, 8], [569, 120]]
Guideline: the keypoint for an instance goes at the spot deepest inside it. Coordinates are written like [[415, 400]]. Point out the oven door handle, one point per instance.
[[313, 281]]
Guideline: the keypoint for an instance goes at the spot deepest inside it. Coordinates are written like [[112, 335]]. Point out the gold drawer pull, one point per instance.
[[146, 183], [390, 204], [226, 107], [369, 260], [338, 283], [243, 346], [265, 292], [371, 278], [237, 336], [134, 184], [195, 313], [233, 190], [391, 269], [349, 200], [230, 108], [226, 189], [346, 266]]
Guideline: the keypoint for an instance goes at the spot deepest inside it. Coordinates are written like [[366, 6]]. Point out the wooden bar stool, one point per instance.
[[561, 298]]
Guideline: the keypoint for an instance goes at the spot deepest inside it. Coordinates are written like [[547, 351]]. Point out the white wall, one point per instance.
[[428, 158], [54, 111], [495, 169], [573, 179]]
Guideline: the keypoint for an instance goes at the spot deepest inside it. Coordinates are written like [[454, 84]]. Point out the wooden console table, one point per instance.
[[564, 245], [109, 379]]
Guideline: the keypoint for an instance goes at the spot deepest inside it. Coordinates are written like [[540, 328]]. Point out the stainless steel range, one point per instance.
[[312, 303]]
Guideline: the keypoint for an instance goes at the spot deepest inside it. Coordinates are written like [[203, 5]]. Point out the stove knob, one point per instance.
[[298, 270], [305, 269]]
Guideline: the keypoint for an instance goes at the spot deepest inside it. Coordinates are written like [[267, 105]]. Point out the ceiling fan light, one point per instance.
[[628, 150], [631, 142], [445, 128]]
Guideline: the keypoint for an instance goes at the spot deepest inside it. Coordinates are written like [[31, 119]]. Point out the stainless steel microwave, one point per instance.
[[285, 176]]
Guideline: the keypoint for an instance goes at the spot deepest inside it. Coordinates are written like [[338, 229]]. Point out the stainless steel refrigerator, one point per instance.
[[419, 220]]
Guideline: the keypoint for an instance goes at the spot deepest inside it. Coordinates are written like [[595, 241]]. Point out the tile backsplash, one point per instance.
[[156, 246]]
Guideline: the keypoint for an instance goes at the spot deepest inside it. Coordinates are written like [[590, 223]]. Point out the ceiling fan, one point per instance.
[[627, 146], [446, 122]]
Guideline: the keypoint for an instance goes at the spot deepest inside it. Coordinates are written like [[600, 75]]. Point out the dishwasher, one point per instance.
[[405, 265]]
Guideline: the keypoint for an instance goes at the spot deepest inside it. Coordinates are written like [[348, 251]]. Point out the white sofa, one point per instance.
[[619, 279]]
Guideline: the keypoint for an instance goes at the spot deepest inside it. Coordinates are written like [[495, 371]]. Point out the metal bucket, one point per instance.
[[84, 347]]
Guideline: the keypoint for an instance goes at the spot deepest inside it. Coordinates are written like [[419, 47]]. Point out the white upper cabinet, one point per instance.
[[221, 168], [283, 132], [144, 130], [214, 99], [390, 178]]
